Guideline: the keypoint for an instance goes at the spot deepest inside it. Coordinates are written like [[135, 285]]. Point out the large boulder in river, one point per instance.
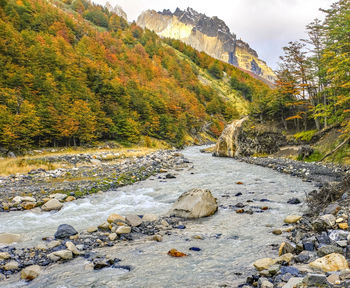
[[195, 203], [245, 138]]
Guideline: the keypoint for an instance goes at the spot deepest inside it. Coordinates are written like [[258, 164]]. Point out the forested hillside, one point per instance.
[[313, 88], [74, 72]]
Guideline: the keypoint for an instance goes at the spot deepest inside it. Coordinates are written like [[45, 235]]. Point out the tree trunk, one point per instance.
[[336, 148]]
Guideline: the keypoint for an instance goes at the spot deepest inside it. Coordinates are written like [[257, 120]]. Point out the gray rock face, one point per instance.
[[195, 203], [65, 231]]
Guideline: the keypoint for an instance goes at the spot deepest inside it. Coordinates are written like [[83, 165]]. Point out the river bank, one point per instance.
[[228, 244], [91, 173]]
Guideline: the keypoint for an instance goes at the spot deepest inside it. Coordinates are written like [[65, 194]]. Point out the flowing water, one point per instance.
[[230, 242]]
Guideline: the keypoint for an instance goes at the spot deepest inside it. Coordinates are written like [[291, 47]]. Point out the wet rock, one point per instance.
[[104, 226], [123, 230], [92, 229], [238, 194], [28, 205], [170, 176], [63, 254], [181, 227], [10, 266], [115, 218], [133, 220], [195, 249], [195, 203], [264, 263], [175, 253], [150, 218], [291, 219], [4, 256], [70, 199], [31, 272], [328, 249], [294, 201], [71, 247], [331, 262], [9, 238], [65, 231], [112, 236], [277, 232], [52, 205]]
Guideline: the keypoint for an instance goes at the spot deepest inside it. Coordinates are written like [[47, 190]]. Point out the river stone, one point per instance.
[[150, 218], [65, 231], [195, 203], [264, 263], [291, 219], [112, 236], [114, 218], [328, 249], [58, 196], [285, 248], [92, 229], [28, 205], [4, 255], [133, 220], [12, 265], [123, 230], [316, 280], [8, 238], [53, 244], [293, 282], [64, 254], [31, 272], [70, 199], [71, 247], [331, 262], [51, 205], [333, 279]]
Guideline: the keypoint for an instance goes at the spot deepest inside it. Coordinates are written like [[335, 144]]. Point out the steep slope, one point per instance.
[[210, 35]]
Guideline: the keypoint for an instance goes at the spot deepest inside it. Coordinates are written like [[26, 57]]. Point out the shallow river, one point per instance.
[[230, 241]]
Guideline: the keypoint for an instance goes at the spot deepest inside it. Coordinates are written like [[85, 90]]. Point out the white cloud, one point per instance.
[[267, 25]]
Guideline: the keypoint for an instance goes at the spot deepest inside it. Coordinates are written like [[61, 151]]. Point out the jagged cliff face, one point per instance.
[[210, 35]]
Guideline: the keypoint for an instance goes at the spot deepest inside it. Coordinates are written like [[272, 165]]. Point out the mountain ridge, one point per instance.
[[208, 34]]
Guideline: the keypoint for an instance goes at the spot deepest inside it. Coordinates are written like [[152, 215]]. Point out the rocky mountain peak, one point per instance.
[[208, 34], [117, 10]]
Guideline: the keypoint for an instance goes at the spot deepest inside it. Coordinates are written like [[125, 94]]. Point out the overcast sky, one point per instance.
[[267, 25]]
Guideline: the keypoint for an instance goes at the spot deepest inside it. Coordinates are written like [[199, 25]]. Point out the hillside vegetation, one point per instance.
[[74, 72]]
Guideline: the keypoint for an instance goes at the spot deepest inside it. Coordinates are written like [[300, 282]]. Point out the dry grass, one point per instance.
[[23, 165]]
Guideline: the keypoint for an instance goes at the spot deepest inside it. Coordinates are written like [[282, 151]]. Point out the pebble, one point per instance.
[[31, 272], [51, 205], [71, 247], [12, 265], [291, 219], [123, 230]]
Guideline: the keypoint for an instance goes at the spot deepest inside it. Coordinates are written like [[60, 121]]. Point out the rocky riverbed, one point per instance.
[[51, 189], [309, 171], [259, 216]]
